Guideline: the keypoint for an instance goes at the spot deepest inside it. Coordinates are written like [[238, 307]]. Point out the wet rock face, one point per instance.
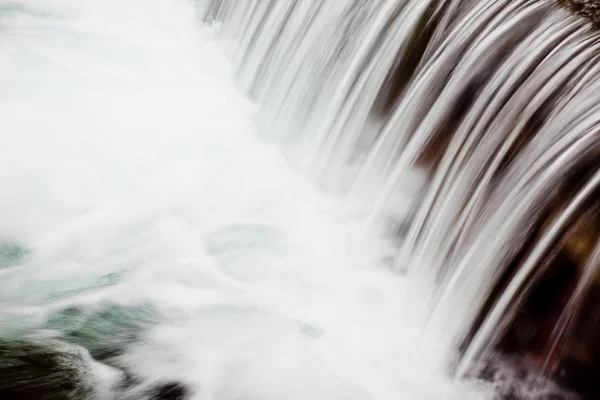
[[586, 8], [552, 329], [52, 370]]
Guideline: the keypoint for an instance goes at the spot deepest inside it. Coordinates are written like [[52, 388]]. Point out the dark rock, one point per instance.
[[171, 391], [577, 376], [52, 370]]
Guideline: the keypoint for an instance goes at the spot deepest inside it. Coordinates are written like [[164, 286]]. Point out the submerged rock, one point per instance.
[[52, 370]]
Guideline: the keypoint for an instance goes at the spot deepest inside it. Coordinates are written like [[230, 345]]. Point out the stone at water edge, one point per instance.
[[106, 330], [49, 369]]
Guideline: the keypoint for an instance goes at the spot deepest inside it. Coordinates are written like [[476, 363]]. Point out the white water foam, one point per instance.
[[131, 175]]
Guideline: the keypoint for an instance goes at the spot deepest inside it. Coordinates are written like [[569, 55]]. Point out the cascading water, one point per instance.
[[152, 217], [493, 103]]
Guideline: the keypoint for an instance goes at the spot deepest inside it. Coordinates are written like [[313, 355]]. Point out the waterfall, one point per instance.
[[299, 199], [493, 107]]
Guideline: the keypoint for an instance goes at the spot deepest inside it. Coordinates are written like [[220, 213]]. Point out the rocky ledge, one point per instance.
[[589, 9]]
